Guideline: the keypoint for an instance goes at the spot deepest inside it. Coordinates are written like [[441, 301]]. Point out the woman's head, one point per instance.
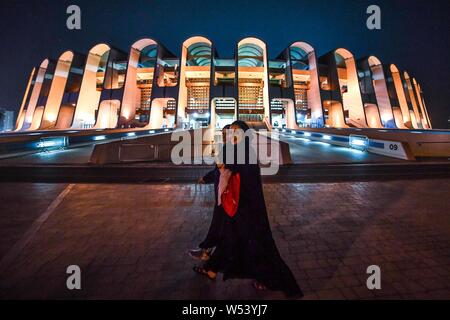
[[238, 128], [239, 124]]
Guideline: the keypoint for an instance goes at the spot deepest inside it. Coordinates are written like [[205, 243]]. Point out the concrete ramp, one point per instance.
[[158, 148], [152, 148]]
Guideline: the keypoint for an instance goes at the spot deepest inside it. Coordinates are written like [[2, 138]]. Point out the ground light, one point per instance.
[[98, 138], [52, 143], [358, 142]]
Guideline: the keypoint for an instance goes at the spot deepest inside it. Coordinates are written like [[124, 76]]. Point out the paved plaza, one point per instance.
[[130, 241]]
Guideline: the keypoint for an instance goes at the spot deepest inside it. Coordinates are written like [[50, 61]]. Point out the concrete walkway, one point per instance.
[[130, 240]]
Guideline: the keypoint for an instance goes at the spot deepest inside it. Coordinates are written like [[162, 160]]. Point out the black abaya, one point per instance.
[[245, 247], [217, 221]]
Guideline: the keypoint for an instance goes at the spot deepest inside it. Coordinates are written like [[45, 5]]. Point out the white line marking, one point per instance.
[[12, 254]]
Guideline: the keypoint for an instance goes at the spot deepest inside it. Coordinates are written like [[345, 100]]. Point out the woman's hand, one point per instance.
[[201, 181]]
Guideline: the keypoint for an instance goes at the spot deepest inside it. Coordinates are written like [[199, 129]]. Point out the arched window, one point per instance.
[[137, 98], [253, 87]]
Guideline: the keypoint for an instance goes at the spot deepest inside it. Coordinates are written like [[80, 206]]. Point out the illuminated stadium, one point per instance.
[[147, 86]]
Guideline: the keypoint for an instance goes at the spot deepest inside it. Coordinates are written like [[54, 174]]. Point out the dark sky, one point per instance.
[[414, 35]]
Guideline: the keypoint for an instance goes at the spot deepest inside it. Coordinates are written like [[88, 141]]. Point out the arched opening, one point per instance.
[[26, 97], [305, 79], [413, 119], [224, 107], [412, 102], [167, 72], [403, 105], [349, 88], [223, 112], [57, 91], [37, 118], [195, 82], [70, 97], [253, 90], [372, 115], [35, 98], [367, 89], [92, 86], [381, 93], [137, 98], [20, 120], [107, 114], [162, 113], [419, 93], [65, 116], [334, 117], [283, 114], [423, 115]]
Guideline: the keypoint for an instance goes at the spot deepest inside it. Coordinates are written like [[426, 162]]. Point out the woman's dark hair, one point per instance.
[[227, 127], [241, 124]]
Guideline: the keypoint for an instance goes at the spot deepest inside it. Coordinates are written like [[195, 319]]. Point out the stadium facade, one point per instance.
[[150, 87]]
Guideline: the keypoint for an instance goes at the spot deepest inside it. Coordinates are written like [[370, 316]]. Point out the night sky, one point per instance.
[[414, 35]]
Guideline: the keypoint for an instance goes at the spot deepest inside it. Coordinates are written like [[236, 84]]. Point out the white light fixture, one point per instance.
[[358, 142], [53, 142]]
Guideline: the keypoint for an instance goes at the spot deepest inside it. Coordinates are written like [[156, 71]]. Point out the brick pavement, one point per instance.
[[130, 241]]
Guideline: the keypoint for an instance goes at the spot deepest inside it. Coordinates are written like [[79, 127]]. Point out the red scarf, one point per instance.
[[230, 197]]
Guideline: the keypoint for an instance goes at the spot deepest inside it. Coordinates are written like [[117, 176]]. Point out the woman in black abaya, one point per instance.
[[212, 238], [245, 247]]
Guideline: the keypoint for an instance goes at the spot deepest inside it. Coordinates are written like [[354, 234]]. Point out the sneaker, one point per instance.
[[199, 254]]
